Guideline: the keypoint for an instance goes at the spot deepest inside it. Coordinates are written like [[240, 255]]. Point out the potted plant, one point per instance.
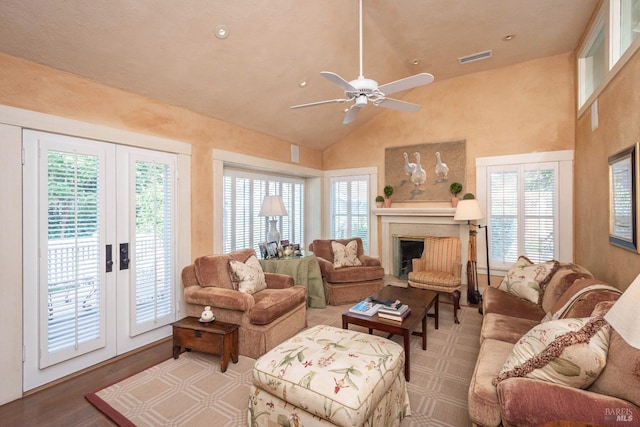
[[455, 188], [379, 201], [388, 191], [468, 196]]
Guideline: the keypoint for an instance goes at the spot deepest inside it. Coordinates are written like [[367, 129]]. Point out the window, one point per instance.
[[243, 192], [626, 25], [527, 210], [522, 212], [350, 208], [592, 63]]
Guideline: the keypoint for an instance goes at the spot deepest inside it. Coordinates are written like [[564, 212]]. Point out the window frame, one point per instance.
[[349, 214], [564, 204]]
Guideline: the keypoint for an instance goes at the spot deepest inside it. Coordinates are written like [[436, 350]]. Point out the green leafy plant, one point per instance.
[[388, 191], [468, 196], [455, 188], [379, 199]]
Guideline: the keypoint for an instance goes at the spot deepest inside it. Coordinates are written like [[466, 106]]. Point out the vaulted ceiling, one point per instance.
[[168, 50]]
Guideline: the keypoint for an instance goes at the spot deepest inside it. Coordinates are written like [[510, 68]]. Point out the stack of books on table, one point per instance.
[[394, 312], [366, 307]]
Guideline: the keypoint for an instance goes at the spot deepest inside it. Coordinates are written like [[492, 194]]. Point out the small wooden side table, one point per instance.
[[213, 338]]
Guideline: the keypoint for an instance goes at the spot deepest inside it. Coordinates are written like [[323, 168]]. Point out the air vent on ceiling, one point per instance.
[[475, 57]]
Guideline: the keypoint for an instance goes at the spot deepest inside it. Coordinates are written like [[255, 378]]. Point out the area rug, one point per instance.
[[191, 391]]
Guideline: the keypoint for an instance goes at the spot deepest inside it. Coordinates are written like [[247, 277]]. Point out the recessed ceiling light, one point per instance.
[[508, 37], [222, 32], [303, 83], [415, 61]]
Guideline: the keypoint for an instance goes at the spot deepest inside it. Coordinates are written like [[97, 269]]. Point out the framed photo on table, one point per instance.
[[623, 198], [263, 251], [272, 249]]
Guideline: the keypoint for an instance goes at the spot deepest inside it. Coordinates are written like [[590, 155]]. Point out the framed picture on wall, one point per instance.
[[623, 198]]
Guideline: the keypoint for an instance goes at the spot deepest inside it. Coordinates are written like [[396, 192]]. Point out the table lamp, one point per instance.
[[272, 206], [469, 210], [624, 315]]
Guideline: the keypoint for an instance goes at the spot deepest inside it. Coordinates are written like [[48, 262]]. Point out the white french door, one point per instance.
[[99, 252]]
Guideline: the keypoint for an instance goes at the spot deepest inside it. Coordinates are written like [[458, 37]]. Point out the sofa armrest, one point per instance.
[[369, 261], [189, 276], [219, 298], [325, 266], [526, 401], [278, 281], [417, 264]]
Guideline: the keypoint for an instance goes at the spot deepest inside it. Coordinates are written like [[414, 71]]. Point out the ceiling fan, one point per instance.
[[362, 90]]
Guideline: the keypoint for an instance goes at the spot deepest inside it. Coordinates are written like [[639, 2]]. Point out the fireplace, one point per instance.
[[406, 248], [416, 223]]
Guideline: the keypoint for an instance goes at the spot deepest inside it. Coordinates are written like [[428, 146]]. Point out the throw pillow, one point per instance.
[[345, 255], [527, 280], [571, 352], [248, 276]]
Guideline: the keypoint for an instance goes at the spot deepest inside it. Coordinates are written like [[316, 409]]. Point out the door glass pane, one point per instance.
[[153, 242], [73, 255]]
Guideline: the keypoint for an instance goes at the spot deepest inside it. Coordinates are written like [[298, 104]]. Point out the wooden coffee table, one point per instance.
[[419, 300], [214, 338]]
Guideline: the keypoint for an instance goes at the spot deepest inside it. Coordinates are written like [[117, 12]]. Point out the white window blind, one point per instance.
[[522, 212], [154, 223], [243, 193], [74, 292], [350, 208]]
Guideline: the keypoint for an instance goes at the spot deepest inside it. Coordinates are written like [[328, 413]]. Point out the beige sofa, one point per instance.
[[571, 292], [266, 318]]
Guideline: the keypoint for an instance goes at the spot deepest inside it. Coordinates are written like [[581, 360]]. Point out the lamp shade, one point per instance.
[[468, 210], [272, 206], [624, 316]]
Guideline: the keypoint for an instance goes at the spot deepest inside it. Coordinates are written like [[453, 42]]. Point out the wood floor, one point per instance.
[[64, 404]]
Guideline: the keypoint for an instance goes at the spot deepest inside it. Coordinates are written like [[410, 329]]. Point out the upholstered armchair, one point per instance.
[[266, 317], [343, 282], [439, 269]]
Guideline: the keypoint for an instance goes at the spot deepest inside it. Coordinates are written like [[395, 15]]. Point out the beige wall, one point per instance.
[[34, 87], [518, 109], [619, 127]]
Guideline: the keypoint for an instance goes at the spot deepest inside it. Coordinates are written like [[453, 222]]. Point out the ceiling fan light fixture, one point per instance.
[[222, 32]]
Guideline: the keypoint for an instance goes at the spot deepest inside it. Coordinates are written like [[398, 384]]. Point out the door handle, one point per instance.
[[109, 258], [124, 256]]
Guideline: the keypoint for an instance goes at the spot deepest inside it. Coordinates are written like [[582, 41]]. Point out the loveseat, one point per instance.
[[509, 391], [344, 281], [266, 317]]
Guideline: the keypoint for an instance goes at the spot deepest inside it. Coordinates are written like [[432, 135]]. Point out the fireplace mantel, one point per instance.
[[415, 211], [419, 222]]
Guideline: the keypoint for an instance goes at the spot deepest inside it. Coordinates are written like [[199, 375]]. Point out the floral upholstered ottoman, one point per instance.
[[330, 376]]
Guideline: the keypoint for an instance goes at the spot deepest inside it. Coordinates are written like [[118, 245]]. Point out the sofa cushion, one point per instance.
[[505, 328], [355, 274], [270, 304], [484, 407], [621, 377], [527, 280], [580, 299], [497, 301], [562, 279], [345, 255], [247, 276], [571, 352], [213, 270]]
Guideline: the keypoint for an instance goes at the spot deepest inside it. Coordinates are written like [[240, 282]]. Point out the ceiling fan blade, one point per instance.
[[351, 114], [336, 79], [406, 83], [394, 104], [313, 104]]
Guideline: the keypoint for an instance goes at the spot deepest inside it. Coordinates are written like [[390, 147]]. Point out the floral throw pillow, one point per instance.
[[571, 352], [248, 276], [527, 280], [345, 255]]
